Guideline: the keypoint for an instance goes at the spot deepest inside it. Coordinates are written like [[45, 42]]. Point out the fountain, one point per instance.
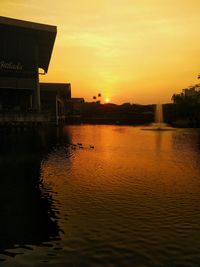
[[159, 115], [159, 124]]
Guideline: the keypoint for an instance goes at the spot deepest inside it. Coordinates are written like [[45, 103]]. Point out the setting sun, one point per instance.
[[137, 49], [107, 100]]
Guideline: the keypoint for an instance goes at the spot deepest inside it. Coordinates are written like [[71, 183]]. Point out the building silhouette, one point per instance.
[[25, 52]]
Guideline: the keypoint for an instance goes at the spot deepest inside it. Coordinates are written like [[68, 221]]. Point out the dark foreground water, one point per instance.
[[132, 200]]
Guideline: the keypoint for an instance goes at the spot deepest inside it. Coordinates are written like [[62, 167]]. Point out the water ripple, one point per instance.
[[132, 200]]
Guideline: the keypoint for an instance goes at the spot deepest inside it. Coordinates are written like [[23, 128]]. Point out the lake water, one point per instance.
[[132, 200]]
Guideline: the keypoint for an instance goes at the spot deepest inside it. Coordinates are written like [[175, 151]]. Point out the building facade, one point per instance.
[[54, 100], [25, 51]]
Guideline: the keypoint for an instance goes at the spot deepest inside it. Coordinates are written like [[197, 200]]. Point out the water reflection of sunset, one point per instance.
[[132, 185], [122, 155]]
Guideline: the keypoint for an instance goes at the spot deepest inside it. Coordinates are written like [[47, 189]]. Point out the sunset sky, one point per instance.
[[138, 51]]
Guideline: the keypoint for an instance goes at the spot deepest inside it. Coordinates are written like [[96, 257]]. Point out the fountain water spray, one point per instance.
[[159, 116], [158, 124]]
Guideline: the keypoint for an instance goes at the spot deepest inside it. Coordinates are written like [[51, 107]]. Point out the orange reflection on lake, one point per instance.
[[125, 191]]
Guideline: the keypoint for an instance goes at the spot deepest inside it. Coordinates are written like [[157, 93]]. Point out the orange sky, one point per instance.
[[138, 51]]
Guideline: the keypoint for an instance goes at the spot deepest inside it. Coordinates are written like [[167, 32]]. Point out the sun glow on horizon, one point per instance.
[[138, 49], [107, 100]]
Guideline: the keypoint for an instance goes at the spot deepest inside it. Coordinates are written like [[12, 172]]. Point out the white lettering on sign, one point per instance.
[[10, 66]]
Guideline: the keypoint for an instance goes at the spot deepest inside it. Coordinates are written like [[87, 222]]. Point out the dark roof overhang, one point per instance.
[[44, 36]]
